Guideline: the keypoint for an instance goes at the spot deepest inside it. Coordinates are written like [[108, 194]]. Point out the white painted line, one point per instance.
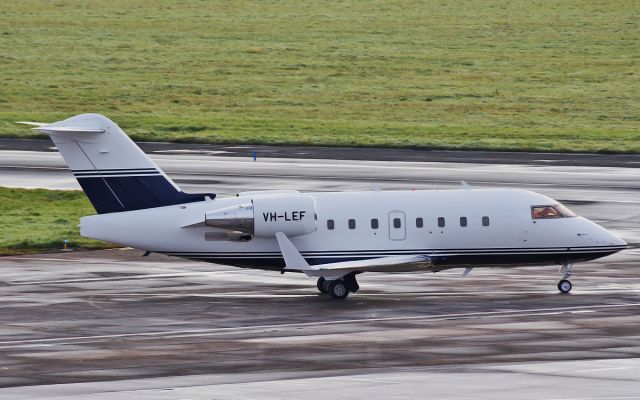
[[242, 329], [114, 278], [603, 369], [594, 398]]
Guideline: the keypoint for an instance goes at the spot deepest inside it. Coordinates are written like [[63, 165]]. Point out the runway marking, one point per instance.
[[48, 342], [596, 398], [342, 178], [394, 179], [602, 369], [115, 278], [285, 164], [253, 295]]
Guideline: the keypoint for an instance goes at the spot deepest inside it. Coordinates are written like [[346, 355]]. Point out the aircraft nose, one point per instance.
[[611, 239], [618, 240]]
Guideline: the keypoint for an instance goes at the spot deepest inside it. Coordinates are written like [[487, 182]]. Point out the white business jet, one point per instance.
[[330, 236]]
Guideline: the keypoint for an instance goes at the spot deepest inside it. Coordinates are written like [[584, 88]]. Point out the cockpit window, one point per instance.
[[564, 211], [554, 211]]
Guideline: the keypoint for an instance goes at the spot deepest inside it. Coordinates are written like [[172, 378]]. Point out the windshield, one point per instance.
[[551, 211]]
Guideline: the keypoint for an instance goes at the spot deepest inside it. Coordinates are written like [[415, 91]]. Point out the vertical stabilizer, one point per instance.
[[111, 169]]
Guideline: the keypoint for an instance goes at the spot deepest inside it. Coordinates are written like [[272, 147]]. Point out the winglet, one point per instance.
[[292, 257]]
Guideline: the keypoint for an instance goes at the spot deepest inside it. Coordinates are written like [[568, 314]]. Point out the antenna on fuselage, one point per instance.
[[465, 185]]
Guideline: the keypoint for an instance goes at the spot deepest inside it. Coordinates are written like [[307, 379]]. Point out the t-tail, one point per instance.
[[111, 169]]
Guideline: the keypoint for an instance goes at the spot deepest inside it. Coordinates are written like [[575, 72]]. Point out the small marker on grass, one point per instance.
[[66, 246]]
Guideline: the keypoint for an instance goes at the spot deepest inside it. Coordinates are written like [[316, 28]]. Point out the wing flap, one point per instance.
[[372, 264], [295, 262]]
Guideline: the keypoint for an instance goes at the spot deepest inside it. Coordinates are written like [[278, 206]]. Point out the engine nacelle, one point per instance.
[[292, 215]]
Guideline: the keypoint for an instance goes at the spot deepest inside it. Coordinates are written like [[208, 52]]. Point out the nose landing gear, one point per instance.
[[566, 270], [564, 286]]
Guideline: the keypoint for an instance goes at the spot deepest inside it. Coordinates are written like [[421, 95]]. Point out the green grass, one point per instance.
[[33, 221], [483, 74]]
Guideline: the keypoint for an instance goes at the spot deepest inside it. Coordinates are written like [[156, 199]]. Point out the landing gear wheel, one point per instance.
[[338, 289], [323, 285], [564, 286]]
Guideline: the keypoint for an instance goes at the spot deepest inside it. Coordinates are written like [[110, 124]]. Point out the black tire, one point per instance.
[[338, 289], [564, 286], [323, 285]]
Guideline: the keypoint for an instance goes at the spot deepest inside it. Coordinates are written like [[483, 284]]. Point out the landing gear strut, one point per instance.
[[564, 286]]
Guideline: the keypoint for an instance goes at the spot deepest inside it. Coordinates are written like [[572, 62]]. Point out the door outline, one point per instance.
[[397, 233]]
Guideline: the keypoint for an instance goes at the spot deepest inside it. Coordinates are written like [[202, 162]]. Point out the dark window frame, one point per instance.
[[331, 225], [442, 222], [419, 222], [544, 211], [351, 223], [486, 221], [374, 223], [464, 222]]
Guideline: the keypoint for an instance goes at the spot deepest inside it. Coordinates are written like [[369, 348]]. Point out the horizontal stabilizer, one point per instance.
[[32, 123], [50, 128], [67, 129], [294, 261]]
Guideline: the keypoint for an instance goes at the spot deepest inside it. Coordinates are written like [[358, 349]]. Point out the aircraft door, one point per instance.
[[397, 225]]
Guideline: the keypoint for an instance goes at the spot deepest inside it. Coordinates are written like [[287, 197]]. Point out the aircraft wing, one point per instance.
[[295, 262]]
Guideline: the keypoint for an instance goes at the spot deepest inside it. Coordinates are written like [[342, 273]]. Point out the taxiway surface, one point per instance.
[[111, 324]]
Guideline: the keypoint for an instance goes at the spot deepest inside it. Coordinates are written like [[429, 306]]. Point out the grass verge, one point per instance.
[[486, 74], [38, 221]]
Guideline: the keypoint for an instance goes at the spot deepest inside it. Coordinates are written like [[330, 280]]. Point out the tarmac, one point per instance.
[[112, 324]]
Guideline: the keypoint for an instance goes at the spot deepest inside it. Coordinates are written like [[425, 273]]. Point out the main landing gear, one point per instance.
[[564, 286], [339, 288], [323, 285]]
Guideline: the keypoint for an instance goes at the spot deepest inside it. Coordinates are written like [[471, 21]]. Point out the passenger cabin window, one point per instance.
[[419, 223], [330, 224], [374, 223], [463, 221], [441, 222], [352, 224], [397, 223], [547, 212], [485, 221]]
